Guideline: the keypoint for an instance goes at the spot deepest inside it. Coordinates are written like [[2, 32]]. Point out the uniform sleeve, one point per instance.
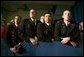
[[39, 31], [21, 28], [57, 31], [76, 33]]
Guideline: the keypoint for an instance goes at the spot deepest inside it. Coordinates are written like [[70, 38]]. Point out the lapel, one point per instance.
[[68, 29], [50, 27], [63, 28], [71, 28], [31, 22]]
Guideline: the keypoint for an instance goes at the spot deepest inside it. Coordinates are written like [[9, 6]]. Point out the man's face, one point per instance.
[[67, 15], [47, 18], [32, 13]]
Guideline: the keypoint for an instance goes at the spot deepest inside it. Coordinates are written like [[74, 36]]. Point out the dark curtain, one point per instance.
[[77, 11]]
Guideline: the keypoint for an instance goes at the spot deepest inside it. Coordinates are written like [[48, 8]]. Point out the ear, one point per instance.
[[62, 16]]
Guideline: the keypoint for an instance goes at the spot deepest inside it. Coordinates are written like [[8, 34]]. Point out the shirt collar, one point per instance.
[[32, 19], [48, 24], [66, 23]]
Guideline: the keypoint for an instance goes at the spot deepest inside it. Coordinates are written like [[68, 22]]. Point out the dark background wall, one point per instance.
[[77, 11], [11, 8]]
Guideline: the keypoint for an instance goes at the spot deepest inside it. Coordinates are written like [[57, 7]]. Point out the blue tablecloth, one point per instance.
[[45, 49]]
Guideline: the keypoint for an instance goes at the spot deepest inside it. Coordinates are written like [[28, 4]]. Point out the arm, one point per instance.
[[75, 35], [57, 31], [39, 31], [21, 29]]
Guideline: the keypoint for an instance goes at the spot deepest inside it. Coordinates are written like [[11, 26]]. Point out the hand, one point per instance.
[[33, 41], [17, 46], [52, 39], [74, 44], [13, 49], [65, 40], [36, 38]]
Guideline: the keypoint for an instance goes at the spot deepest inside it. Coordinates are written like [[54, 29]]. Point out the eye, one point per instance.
[[65, 13], [45, 16]]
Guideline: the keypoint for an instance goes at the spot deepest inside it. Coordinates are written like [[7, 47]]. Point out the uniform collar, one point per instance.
[[48, 24]]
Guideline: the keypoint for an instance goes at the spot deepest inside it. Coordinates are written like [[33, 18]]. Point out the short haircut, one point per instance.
[[47, 12]]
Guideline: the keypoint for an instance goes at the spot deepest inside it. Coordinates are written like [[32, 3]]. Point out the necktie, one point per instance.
[[68, 26], [34, 22]]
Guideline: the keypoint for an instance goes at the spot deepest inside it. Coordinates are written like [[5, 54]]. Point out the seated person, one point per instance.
[[45, 31], [81, 25], [28, 28], [81, 29], [12, 37], [66, 30], [3, 31]]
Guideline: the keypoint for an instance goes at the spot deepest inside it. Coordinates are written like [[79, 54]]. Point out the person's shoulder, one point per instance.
[[74, 22], [59, 21], [38, 21], [41, 24], [25, 20], [10, 24]]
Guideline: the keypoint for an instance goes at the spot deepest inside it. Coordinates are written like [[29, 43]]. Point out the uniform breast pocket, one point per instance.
[[28, 26], [63, 30]]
